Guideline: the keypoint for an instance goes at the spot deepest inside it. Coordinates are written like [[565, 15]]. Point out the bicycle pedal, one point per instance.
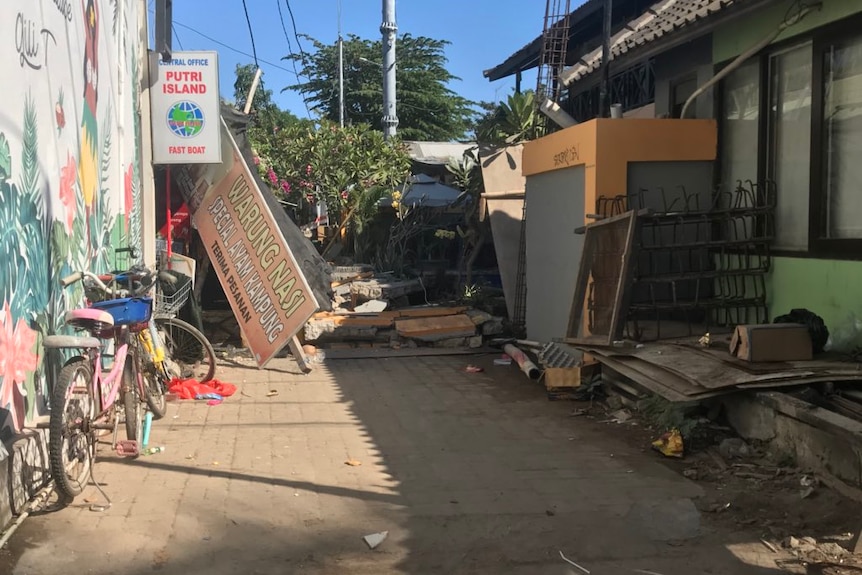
[[127, 448]]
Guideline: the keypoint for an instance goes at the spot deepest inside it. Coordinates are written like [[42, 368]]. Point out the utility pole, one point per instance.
[[340, 71], [605, 90], [389, 29]]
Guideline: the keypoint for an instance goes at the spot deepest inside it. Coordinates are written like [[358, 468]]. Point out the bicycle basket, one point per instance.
[[171, 303], [127, 310]]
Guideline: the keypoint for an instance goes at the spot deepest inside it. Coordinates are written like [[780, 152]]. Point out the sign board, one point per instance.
[[185, 110], [266, 288]]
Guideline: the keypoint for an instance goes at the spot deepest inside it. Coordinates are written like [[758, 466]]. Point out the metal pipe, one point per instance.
[[739, 60], [527, 366], [559, 116], [389, 30], [605, 94], [38, 500], [254, 84], [340, 81]]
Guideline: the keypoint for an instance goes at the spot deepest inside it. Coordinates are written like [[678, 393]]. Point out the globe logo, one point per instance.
[[185, 119]]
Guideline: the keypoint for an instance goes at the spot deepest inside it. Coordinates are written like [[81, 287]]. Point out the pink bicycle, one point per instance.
[[84, 399]]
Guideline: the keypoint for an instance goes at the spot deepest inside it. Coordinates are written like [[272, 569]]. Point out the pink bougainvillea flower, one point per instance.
[[308, 170], [128, 183], [16, 360], [68, 175], [273, 178], [285, 186], [345, 195], [256, 160]]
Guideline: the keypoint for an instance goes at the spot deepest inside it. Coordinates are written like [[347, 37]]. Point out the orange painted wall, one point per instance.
[[606, 146]]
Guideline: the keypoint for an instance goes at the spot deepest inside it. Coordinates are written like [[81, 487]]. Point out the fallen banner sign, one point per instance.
[[268, 293]]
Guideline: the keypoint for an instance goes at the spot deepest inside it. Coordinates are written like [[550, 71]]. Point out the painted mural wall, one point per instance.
[[69, 172]]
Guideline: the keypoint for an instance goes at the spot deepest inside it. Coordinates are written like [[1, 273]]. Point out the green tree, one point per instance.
[[427, 108], [511, 122], [268, 116], [350, 169]]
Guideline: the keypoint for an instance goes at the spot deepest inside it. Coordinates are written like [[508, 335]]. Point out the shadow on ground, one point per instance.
[[469, 473]]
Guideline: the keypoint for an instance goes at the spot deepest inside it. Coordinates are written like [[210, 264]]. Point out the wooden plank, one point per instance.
[[382, 353], [436, 327], [392, 315], [647, 382], [299, 354], [562, 377], [363, 275], [622, 291]]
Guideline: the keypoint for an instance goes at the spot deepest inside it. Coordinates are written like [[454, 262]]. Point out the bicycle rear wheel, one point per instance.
[[71, 441], [132, 401], [188, 348]]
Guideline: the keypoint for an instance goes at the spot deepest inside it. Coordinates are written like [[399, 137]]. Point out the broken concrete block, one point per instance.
[[474, 342], [451, 343], [478, 316], [493, 327], [372, 306]]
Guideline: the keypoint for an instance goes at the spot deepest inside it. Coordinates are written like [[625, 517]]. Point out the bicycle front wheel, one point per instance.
[[132, 401], [71, 441], [188, 348]]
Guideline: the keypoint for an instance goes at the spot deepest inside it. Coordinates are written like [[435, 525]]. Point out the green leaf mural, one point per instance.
[[102, 218], [135, 225], [5, 159]]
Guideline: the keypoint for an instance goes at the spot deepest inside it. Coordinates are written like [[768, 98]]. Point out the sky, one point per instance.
[[483, 33]]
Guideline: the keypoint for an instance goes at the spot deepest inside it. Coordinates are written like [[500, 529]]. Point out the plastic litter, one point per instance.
[[193, 389], [572, 563], [375, 539], [670, 444], [816, 327]]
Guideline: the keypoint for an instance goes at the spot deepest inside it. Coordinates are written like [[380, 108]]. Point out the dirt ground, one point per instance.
[[793, 513]]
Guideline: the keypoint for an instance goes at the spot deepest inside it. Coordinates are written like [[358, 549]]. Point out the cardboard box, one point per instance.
[[772, 342]]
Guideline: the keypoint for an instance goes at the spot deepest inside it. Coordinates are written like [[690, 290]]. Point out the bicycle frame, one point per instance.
[[108, 386]]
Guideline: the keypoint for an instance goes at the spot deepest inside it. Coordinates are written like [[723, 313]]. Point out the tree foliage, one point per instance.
[[346, 168], [511, 122], [427, 108]]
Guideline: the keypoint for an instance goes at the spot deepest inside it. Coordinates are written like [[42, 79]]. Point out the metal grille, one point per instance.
[[555, 42], [702, 258], [633, 88]]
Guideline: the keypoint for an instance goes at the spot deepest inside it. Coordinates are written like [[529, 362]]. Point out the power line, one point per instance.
[[290, 51], [295, 34], [177, 36], [233, 49], [250, 33]]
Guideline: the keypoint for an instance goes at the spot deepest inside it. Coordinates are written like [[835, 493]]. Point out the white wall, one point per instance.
[[70, 169]]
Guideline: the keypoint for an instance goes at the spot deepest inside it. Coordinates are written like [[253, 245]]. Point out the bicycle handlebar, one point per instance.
[[146, 278], [70, 279]]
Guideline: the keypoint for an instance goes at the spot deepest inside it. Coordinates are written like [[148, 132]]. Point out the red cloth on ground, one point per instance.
[[191, 388]]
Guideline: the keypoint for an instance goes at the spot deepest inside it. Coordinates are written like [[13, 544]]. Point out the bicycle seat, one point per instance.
[[70, 342], [90, 319]]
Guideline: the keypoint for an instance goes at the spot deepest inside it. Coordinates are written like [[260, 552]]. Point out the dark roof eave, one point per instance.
[[673, 40], [524, 59]]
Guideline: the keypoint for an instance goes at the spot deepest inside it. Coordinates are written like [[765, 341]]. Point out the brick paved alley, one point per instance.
[[469, 473]]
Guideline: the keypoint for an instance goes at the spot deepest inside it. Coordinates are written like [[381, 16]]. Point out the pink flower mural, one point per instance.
[[68, 177], [17, 358]]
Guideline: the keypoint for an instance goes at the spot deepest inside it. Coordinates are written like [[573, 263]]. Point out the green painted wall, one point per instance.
[[832, 289], [829, 288], [730, 40]]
